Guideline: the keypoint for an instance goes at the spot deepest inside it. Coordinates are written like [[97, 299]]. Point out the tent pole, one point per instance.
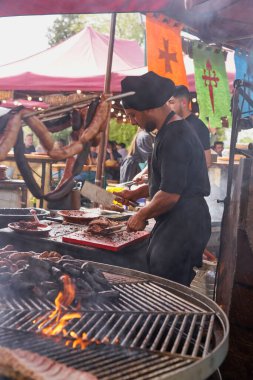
[[104, 135]]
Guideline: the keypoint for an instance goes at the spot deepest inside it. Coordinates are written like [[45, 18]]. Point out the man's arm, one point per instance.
[[133, 195], [161, 203]]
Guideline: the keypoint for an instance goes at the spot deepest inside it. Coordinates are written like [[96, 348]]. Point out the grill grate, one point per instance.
[[107, 363], [152, 331]]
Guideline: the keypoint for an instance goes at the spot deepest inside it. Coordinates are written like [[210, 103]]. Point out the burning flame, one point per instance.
[[55, 323]]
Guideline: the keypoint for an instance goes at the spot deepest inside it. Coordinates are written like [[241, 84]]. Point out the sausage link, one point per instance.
[[67, 151], [67, 171], [39, 129], [98, 122], [10, 134]]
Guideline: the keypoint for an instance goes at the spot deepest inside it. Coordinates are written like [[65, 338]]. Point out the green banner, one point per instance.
[[211, 85]]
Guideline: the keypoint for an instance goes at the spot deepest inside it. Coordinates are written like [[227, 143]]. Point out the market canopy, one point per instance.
[[77, 63], [227, 22], [80, 63]]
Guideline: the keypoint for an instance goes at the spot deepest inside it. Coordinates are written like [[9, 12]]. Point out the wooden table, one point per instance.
[[60, 166]]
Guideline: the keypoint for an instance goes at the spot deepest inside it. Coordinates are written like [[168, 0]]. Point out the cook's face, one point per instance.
[[142, 119], [176, 105]]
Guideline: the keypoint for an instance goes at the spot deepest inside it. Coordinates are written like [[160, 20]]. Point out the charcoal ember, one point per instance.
[[20, 275], [94, 285], [24, 285], [67, 257], [52, 294], [49, 285], [99, 278], [5, 289], [35, 262], [71, 269], [56, 272], [4, 268], [87, 267], [39, 274], [82, 284], [39, 291], [4, 277], [21, 263]]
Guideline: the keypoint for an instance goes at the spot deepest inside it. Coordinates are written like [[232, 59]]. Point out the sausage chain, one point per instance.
[[75, 153]]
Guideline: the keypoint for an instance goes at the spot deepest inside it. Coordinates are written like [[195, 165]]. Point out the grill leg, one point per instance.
[[215, 376]]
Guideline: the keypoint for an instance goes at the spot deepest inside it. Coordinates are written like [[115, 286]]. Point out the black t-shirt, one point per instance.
[[201, 129], [178, 162], [30, 149]]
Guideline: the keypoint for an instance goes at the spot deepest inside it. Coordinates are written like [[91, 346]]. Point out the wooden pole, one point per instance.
[[104, 135]]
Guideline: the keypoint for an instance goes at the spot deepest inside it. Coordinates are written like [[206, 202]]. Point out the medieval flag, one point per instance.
[[211, 84], [164, 48], [244, 71]]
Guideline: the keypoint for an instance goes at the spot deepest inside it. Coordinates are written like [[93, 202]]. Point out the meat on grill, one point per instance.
[[21, 365], [41, 274]]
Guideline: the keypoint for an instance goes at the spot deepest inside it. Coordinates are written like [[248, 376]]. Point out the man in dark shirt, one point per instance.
[[180, 103], [177, 185]]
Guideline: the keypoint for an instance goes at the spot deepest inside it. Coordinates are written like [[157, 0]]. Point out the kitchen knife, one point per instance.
[[97, 194]]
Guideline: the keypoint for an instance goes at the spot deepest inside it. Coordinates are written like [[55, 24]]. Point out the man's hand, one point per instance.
[[126, 194], [141, 179], [136, 223]]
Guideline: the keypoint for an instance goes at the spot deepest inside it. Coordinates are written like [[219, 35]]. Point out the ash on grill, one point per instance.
[[29, 273]]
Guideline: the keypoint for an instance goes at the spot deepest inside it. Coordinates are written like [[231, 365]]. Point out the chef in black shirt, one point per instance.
[[178, 182], [180, 103]]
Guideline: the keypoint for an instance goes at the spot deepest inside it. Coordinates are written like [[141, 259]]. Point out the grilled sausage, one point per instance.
[[67, 151], [10, 135], [98, 122], [40, 130]]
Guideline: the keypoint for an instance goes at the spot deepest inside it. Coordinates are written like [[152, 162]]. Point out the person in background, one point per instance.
[[113, 160], [40, 149], [180, 104], [140, 152], [93, 155], [218, 147], [29, 145], [121, 147], [59, 143], [178, 182]]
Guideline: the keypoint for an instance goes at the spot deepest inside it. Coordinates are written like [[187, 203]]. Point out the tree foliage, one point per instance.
[[128, 26]]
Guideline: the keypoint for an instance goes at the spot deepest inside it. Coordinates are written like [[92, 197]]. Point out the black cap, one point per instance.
[[151, 91]]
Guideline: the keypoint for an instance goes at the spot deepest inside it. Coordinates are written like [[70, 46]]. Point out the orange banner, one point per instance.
[[164, 48]]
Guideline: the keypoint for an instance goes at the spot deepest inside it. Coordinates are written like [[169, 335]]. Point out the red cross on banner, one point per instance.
[[164, 48], [211, 84]]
